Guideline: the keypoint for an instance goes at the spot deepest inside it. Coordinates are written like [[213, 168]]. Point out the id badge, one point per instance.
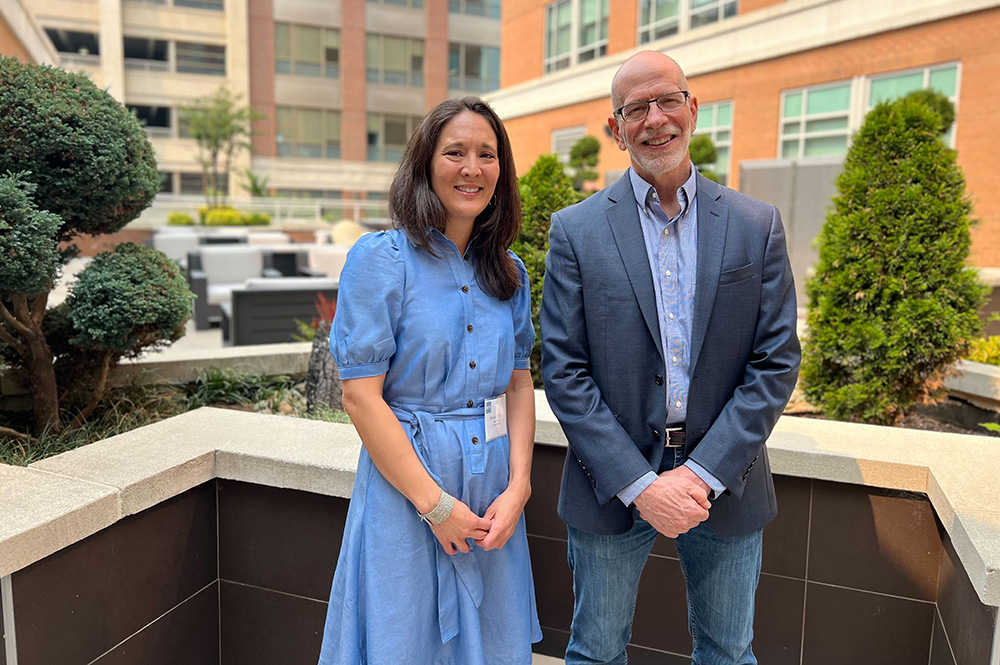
[[496, 417]]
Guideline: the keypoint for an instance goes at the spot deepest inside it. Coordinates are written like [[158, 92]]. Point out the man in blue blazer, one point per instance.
[[668, 353]]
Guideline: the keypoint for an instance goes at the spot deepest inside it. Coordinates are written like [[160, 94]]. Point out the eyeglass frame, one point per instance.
[[687, 98]]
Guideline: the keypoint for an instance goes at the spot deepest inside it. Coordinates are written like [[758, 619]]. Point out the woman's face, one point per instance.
[[465, 167]]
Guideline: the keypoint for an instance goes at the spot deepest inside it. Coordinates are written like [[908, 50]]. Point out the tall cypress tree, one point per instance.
[[893, 302]]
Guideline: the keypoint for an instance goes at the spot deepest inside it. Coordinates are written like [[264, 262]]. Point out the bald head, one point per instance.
[[644, 67]]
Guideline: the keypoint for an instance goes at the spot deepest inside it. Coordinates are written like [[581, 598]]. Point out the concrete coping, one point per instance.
[[58, 501]]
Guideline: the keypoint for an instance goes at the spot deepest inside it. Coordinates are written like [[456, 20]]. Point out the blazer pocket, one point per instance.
[[749, 271]]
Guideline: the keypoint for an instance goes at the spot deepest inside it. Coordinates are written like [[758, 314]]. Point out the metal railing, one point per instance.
[[281, 210]]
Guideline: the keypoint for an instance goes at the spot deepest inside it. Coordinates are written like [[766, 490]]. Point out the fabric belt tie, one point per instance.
[[450, 567]]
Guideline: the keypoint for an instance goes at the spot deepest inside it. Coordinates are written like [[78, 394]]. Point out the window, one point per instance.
[[487, 8], [663, 18], [563, 141], [192, 183], [309, 133], [575, 31], [156, 119], [166, 182], [201, 59], [415, 4], [306, 51], [815, 121], [394, 60], [716, 120], [943, 78], [200, 4], [81, 43], [146, 54], [473, 68], [387, 136]]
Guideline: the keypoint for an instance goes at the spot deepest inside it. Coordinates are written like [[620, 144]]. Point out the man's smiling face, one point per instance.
[[657, 144]]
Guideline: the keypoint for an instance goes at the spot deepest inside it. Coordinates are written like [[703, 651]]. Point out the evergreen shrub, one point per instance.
[[224, 216], [257, 219], [545, 189], [892, 303], [180, 219]]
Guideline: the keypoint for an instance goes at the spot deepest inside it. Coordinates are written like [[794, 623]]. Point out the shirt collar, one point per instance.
[[643, 191]]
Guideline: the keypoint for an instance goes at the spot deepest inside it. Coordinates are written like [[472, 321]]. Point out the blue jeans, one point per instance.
[[720, 573]]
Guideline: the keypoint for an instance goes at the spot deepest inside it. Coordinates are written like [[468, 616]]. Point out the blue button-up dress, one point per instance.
[[444, 346]]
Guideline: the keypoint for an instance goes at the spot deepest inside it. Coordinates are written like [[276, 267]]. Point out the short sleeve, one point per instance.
[[524, 329], [369, 301]]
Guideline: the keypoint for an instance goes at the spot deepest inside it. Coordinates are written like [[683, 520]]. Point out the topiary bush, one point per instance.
[[545, 189], [892, 304], [89, 158], [180, 219], [83, 158]]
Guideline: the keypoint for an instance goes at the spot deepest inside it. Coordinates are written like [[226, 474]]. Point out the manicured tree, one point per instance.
[[83, 158], [892, 304], [583, 158], [545, 189], [703, 152]]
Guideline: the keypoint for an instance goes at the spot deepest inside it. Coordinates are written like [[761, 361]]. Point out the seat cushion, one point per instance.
[[220, 293], [231, 264]]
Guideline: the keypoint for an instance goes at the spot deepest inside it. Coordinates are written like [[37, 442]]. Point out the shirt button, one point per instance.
[[473, 364], [677, 404], [674, 358], [666, 232], [475, 440], [670, 316], [668, 273], [470, 403], [469, 327], [465, 289], [466, 257]]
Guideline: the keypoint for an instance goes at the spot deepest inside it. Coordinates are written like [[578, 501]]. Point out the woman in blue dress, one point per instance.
[[432, 337]]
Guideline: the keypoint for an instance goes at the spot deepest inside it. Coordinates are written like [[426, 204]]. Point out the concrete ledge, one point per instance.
[[976, 383], [96, 485], [291, 359]]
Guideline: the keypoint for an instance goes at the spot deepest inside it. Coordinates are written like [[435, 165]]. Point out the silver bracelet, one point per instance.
[[441, 512]]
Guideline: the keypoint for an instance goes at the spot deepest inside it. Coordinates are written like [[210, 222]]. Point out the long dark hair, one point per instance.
[[415, 208]]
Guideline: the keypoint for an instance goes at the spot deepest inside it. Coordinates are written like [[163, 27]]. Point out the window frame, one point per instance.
[[413, 79], [926, 72], [714, 131], [380, 146], [577, 53], [328, 148], [326, 69], [684, 19], [488, 84]]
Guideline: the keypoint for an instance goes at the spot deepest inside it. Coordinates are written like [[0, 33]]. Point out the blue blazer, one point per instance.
[[601, 354]]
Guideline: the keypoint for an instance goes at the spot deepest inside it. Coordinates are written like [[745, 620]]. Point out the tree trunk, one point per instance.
[[42, 375], [322, 378]]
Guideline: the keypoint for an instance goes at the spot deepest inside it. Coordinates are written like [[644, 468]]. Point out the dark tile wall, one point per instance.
[[96, 593], [969, 624], [940, 649], [864, 560], [264, 627]]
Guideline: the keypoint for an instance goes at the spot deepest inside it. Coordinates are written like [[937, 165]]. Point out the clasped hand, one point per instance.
[[676, 502], [490, 532]]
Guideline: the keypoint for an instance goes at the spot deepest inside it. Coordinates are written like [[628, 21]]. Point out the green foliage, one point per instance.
[[991, 427], [545, 189], [255, 184], [583, 158], [128, 300], [256, 219], [229, 387], [224, 216], [703, 152], [89, 157], [221, 126], [27, 240], [180, 219], [985, 350], [939, 103], [892, 303]]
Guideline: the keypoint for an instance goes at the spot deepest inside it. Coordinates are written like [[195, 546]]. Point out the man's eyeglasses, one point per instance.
[[668, 103]]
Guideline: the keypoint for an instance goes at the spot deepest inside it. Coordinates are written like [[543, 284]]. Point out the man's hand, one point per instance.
[[676, 502]]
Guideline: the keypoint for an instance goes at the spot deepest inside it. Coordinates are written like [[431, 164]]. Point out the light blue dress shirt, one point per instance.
[[672, 250]]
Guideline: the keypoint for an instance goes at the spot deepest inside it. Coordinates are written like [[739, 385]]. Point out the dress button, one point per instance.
[[469, 327], [466, 257], [475, 440], [470, 403], [465, 289], [473, 364], [659, 380]]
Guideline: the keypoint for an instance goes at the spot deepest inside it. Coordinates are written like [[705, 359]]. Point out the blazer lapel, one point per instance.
[[713, 221], [624, 220]]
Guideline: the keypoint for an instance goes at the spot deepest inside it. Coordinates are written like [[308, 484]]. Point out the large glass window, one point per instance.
[[308, 133], [487, 8], [201, 59], [716, 120], [415, 4], [146, 54], [394, 60], [943, 78], [473, 68], [663, 18], [80, 43], [156, 119], [306, 50], [193, 183], [575, 31], [387, 136], [815, 121]]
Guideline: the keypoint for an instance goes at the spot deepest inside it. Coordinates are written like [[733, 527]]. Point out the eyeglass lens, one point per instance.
[[667, 103]]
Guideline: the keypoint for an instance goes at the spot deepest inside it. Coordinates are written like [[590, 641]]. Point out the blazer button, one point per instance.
[[656, 434], [659, 380]]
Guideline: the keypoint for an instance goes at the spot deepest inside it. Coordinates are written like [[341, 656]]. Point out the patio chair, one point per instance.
[[215, 270], [263, 311]]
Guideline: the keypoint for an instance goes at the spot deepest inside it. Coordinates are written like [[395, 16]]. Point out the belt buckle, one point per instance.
[[678, 437]]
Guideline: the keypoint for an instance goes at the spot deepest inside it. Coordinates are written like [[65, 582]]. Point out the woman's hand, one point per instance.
[[461, 524], [503, 515]]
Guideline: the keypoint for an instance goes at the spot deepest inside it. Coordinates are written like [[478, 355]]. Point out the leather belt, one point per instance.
[[674, 436]]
